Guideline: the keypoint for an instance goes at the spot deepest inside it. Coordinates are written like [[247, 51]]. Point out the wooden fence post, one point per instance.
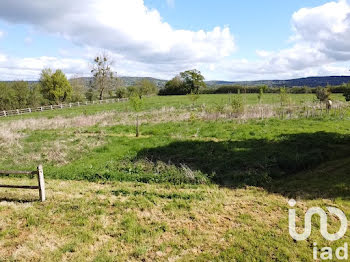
[[41, 182]]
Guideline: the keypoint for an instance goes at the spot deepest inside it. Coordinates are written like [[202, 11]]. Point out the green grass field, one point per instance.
[[197, 185], [157, 102]]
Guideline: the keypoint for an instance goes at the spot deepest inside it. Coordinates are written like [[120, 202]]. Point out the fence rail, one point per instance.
[[41, 182], [22, 111]]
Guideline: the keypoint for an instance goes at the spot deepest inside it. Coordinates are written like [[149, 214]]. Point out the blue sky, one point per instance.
[[226, 40], [256, 24]]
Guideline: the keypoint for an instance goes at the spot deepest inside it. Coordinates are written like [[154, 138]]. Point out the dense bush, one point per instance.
[[143, 88], [347, 93], [19, 94], [187, 82], [323, 93], [55, 87], [234, 89]]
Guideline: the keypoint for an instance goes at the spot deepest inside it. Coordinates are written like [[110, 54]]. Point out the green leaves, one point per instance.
[[55, 87], [323, 93], [187, 82], [347, 92], [193, 80], [136, 102]]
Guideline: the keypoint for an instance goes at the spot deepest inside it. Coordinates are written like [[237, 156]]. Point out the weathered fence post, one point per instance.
[[41, 183]]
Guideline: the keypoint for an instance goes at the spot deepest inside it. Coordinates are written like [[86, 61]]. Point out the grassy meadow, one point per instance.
[[203, 182]]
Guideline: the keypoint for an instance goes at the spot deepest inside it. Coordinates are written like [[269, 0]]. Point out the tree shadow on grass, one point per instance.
[[304, 165], [18, 200]]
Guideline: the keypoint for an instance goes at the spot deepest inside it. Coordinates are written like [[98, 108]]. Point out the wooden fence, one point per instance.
[[60, 106], [41, 182]]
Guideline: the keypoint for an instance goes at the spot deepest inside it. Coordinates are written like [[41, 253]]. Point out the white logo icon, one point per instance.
[[323, 225]]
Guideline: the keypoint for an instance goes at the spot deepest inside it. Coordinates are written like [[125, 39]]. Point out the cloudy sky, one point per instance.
[[225, 39]]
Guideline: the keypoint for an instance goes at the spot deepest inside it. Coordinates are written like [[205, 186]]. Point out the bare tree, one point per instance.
[[102, 73]]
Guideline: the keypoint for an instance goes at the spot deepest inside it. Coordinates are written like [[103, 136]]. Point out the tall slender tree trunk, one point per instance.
[[137, 125], [101, 95]]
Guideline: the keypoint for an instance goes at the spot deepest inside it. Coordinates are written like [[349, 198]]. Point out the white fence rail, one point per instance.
[[59, 106]]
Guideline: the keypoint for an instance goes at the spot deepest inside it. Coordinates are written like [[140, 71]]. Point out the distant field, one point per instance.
[[157, 102], [196, 185], [99, 144]]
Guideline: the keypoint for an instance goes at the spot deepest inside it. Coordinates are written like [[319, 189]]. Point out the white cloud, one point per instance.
[[327, 27], [143, 44], [263, 53], [1, 34], [30, 68], [126, 28], [321, 41]]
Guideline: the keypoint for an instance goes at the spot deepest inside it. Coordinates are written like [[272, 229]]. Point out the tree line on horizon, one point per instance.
[[54, 87]]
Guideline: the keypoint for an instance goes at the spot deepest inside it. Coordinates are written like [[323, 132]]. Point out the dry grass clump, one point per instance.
[[262, 111], [9, 138]]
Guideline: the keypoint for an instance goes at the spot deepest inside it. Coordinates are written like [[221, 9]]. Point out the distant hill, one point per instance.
[[127, 81], [307, 81], [130, 80]]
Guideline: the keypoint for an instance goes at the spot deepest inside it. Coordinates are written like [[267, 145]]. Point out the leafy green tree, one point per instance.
[[174, 87], [261, 94], [120, 89], [78, 88], [55, 87], [237, 104], [193, 98], [102, 75], [323, 93], [193, 81], [284, 98], [146, 87], [35, 96], [7, 97], [21, 93], [91, 94], [136, 103], [121, 92]]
